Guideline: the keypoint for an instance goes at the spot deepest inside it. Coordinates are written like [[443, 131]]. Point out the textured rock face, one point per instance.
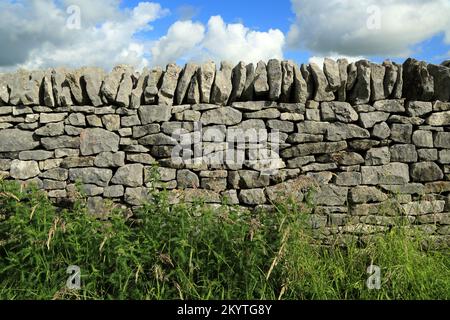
[[357, 134]]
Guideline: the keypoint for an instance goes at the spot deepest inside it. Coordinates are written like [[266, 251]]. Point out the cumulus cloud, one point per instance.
[[217, 41], [36, 34], [319, 59], [367, 27]]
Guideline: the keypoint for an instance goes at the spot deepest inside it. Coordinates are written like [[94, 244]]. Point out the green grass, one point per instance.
[[195, 252]]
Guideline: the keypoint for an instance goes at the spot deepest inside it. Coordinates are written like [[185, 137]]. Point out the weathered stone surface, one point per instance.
[[188, 73], [157, 139], [187, 179], [137, 94], [422, 138], [136, 196], [330, 195], [261, 85], [393, 173], [110, 159], [363, 194], [23, 170], [323, 92], [369, 119], [390, 78], [252, 196], [153, 84], [193, 93], [441, 76], [206, 75], [100, 177], [340, 111], [331, 70], [92, 79], [223, 85], [343, 75], [94, 141], [426, 172], [348, 179], [61, 89], [111, 83], [225, 115], [377, 75], [151, 114], [51, 117], [249, 87], [401, 132], [390, 105], [238, 78], [291, 190], [418, 108], [442, 140], [309, 79], [111, 122], [287, 84], [418, 83], [439, 119], [423, 207], [313, 148], [342, 131], [37, 155], [275, 78], [16, 140], [361, 92], [169, 84], [378, 156], [403, 153], [300, 88], [130, 175], [60, 142], [125, 88]]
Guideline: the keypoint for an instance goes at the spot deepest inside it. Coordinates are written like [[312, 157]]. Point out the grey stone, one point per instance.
[[331, 70], [340, 111], [442, 140], [275, 78], [77, 119], [224, 115], [377, 75], [60, 142], [193, 93], [110, 159], [403, 153], [439, 119], [130, 175], [415, 121], [77, 162], [187, 179], [423, 207], [100, 177], [441, 106], [370, 119], [123, 97], [16, 140], [427, 154], [143, 158], [92, 79], [423, 138], [261, 85], [137, 94], [426, 172], [418, 83], [51, 130], [283, 126], [330, 195], [309, 79], [270, 113], [239, 78], [441, 76], [300, 89], [343, 75], [299, 161], [390, 105], [364, 194], [392, 173], [111, 122], [401, 132], [341, 131], [111, 84], [352, 75], [287, 84], [418, 108], [169, 84], [444, 156], [96, 140], [323, 91], [152, 88], [37, 155], [47, 90], [313, 127], [223, 85], [136, 196], [313, 148], [61, 89], [348, 179], [378, 156], [361, 91], [115, 191], [157, 139], [185, 80], [252, 196], [390, 78], [72, 131], [151, 114], [206, 75], [23, 170], [52, 117], [398, 89], [249, 87]]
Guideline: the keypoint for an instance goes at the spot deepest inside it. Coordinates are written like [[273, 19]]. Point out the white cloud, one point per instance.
[[217, 41], [326, 26], [319, 59], [34, 33]]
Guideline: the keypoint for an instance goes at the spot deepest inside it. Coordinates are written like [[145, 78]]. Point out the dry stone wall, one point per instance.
[[350, 136]]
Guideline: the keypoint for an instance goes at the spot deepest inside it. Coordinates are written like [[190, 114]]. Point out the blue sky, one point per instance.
[[41, 33]]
